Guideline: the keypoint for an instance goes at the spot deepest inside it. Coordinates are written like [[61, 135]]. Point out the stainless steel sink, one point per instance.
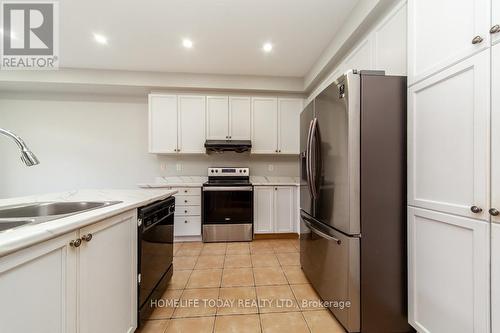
[[33, 213]]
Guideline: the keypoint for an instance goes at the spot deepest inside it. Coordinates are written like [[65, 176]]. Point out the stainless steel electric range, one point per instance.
[[227, 201]]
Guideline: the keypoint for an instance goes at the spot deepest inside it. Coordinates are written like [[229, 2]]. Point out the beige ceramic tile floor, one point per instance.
[[237, 276]]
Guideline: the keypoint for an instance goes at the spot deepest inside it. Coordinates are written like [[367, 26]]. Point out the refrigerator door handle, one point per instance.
[[320, 233], [313, 164], [308, 160]]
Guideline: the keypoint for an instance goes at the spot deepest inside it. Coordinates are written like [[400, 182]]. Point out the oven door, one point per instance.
[[227, 204]]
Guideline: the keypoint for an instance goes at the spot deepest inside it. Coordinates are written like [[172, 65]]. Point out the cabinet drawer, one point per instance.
[[187, 191], [186, 200], [187, 226], [181, 210]]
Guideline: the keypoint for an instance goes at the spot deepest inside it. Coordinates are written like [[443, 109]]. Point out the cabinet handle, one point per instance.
[[477, 40], [494, 212], [75, 242], [476, 209], [494, 29], [87, 237]]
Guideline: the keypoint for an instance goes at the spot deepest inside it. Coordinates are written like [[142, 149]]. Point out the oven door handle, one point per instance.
[[227, 189]]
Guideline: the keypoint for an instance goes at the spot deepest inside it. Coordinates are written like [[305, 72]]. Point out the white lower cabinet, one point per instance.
[[108, 276], [275, 209], [495, 277], [187, 220], [448, 273], [38, 288], [54, 287]]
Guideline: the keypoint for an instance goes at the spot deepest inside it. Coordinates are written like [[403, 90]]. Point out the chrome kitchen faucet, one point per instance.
[[27, 155]]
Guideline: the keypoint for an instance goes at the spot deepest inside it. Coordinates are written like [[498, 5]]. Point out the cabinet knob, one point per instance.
[[87, 237], [75, 242], [494, 212], [185, 221], [185, 191], [185, 211], [185, 201], [494, 29], [476, 209], [279, 151], [477, 40], [276, 150]]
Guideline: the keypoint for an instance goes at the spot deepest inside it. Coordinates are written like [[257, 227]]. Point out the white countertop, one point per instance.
[[179, 181], [15, 239], [197, 181], [274, 181]]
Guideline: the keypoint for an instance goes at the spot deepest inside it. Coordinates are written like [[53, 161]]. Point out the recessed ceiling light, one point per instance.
[[267, 47], [187, 43], [100, 39]]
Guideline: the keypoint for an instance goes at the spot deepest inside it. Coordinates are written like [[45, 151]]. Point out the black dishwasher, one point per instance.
[[155, 253]]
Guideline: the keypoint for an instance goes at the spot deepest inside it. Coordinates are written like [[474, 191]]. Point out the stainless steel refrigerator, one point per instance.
[[353, 200]]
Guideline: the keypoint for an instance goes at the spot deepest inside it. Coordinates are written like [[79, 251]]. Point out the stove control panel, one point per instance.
[[222, 172]]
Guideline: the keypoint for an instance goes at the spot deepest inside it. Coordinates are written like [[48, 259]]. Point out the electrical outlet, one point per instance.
[[270, 167], [178, 167]]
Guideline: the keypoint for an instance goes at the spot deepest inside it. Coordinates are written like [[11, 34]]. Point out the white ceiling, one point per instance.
[[146, 35]]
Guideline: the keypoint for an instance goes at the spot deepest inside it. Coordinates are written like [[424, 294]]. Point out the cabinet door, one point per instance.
[[187, 225], [448, 267], [263, 209], [284, 209], [495, 15], [440, 33], [264, 125], [495, 130], [495, 277], [162, 124], [38, 288], [240, 109], [217, 118], [108, 276], [289, 110], [448, 139], [192, 124]]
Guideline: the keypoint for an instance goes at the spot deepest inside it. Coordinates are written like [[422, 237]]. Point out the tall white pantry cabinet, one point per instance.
[[454, 165]]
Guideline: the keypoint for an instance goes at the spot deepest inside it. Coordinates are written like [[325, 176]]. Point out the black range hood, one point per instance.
[[239, 146]]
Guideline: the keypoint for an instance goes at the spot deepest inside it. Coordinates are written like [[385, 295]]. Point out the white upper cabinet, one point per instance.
[[163, 123], [240, 110], [289, 110], [217, 118], [495, 277], [495, 131], [38, 288], [495, 24], [443, 32], [448, 273], [264, 125], [108, 275], [228, 118], [191, 124], [448, 141]]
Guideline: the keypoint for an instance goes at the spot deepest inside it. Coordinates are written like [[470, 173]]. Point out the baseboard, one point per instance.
[[289, 235], [181, 239]]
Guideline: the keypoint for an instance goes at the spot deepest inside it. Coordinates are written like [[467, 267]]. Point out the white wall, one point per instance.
[[383, 47], [91, 141]]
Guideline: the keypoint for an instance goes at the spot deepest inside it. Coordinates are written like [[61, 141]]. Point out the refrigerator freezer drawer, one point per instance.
[[331, 261]]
